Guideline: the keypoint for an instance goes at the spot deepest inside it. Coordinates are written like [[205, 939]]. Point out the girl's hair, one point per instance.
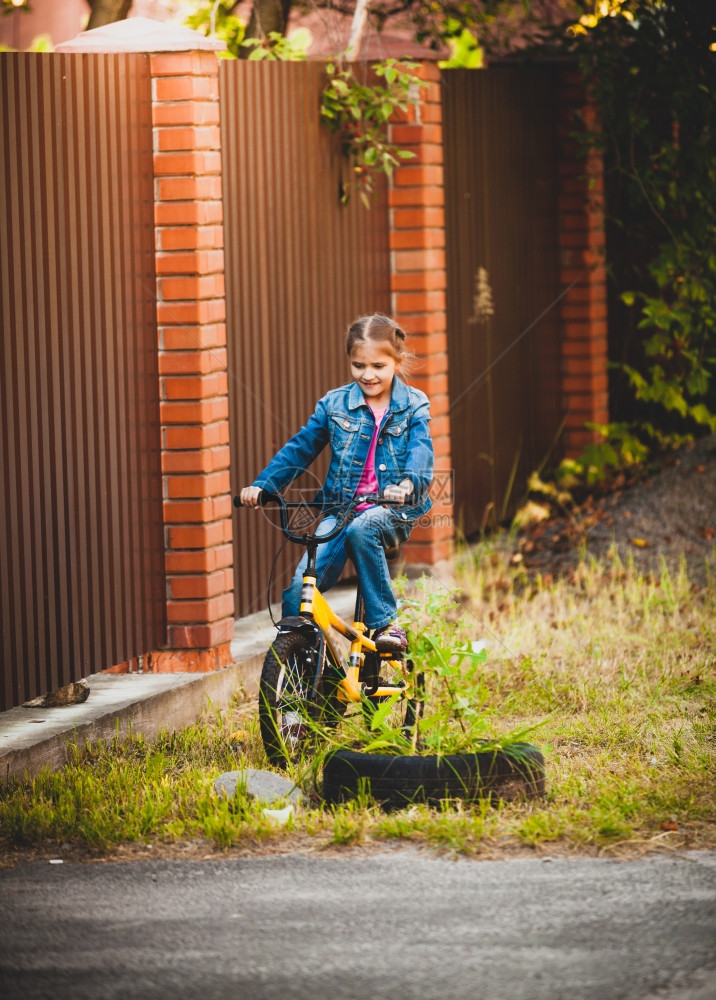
[[380, 330]]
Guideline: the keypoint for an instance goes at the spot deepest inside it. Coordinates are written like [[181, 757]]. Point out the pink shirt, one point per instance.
[[368, 480]]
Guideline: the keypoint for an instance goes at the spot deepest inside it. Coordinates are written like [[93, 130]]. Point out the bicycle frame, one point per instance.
[[350, 689], [315, 611]]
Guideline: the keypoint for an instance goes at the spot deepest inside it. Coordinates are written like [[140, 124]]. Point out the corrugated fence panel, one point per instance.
[[299, 268], [82, 564], [499, 130]]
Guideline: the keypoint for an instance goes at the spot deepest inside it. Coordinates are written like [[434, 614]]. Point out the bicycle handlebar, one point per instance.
[[307, 537]]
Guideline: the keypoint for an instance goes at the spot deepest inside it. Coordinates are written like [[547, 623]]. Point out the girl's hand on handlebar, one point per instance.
[[249, 496], [400, 492]]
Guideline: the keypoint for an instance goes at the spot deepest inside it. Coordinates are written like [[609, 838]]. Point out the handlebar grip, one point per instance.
[[264, 498]]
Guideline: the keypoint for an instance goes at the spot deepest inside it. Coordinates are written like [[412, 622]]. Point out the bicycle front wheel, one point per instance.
[[286, 706]]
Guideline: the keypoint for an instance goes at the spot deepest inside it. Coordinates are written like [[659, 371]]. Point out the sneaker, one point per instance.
[[390, 638]]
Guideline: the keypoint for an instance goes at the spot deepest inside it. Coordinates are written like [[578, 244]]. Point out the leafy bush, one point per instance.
[[650, 70]]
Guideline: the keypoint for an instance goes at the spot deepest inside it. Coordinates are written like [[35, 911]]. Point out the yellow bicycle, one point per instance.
[[306, 676]]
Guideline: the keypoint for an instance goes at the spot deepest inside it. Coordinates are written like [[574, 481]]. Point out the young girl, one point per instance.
[[377, 429]]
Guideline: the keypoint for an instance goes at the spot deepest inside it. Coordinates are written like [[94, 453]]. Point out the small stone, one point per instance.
[[266, 786], [70, 694]]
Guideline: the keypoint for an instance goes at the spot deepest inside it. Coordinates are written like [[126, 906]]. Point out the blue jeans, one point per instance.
[[364, 541]]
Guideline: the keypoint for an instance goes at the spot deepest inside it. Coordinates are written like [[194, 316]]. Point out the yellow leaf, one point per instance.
[[641, 543]]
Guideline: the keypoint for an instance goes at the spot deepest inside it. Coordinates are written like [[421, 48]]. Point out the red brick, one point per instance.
[[436, 364], [584, 366], [418, 260], [431, 114], [201, 637], [198, 511], [593, 292], [419, 176], [417, 135], [188, 511], [194, 487], [589, 346], [188, 213], [441, 447], [403, 117], [582, 257], [431, 324], [202, 62], [192, 387], [416, 197], [584, 220], [197, 338], [431, 385], [193, 660], [197, 460], [419, 281], [419, 218], [430, 553], [198, 536], [594, 185], [191, 313], [423, 155], [198, 113], [183, 588], [208, 610], [195, 262], [190, 238], [186, 88], [189, 188], [202, 436], [201, 411], [582, 238], [192, 362], [584, 383], [406, 302], [207, 286], [176, 164], [417, 239], [199, 560], [203, 137]]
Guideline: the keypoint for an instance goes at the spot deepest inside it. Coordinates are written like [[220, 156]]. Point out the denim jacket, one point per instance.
[[343, 420]]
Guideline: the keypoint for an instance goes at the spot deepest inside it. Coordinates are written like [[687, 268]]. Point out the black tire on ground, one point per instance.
[[285, 701], [396, 781]]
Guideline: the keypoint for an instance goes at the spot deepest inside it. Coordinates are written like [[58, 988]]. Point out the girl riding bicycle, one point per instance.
[[377, 429]]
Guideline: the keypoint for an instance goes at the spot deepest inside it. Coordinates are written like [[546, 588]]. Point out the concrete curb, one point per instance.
[[119, 705], [124, 704]]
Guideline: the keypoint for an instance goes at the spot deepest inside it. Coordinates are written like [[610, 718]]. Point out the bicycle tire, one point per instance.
[[285, 687], [396, 781]]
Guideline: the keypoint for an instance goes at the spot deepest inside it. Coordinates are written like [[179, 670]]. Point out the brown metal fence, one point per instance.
[[299, 267], [501, 174], [81, 565]]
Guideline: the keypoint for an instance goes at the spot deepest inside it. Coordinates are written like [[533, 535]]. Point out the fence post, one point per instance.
[[582, 261], [418, 282], [191, 313]]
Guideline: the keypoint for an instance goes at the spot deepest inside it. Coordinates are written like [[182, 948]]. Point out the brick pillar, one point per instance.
[[418, 282], [191, 313], [582, 260]]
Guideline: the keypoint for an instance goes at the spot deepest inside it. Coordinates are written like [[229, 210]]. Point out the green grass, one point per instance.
[[617, 670]]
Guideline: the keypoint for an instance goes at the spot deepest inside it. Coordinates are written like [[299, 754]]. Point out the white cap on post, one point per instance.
[[141, 34]]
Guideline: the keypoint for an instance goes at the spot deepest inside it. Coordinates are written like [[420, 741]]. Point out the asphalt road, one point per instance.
[[397, 926]]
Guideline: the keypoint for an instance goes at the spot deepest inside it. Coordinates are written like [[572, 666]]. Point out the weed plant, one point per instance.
[[616, 668]]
